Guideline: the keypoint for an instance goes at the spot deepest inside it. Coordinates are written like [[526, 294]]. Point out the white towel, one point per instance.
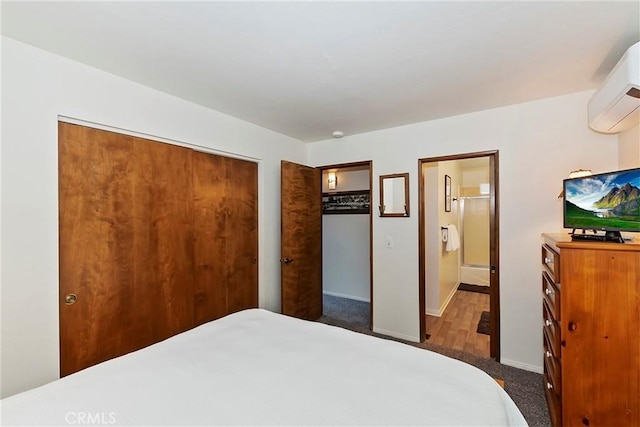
[[453, 240]]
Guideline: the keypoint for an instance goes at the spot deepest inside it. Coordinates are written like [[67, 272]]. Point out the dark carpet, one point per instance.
[[524, 387], [483, 324], [474, 288]]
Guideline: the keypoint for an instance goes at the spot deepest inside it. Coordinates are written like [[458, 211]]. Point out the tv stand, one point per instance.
[[608, 236]]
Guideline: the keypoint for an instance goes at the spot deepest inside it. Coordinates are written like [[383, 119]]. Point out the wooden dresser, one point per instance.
[[591, 331]]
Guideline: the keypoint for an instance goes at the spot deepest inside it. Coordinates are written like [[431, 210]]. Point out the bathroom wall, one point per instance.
[[433, 244], [475, 223], [449, 261]]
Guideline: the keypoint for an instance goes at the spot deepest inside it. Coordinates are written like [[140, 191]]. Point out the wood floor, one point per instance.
[[456, 328]]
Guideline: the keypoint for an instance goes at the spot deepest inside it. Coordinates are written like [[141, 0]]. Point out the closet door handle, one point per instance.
[[70, 299]]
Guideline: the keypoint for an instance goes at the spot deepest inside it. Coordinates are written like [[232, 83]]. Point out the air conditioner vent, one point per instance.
[[634, 92], [615, 107]]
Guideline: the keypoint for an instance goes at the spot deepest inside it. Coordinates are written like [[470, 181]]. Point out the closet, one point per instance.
[[154, 239]]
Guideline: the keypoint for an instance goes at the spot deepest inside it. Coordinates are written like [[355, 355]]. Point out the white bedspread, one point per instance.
[[260, 368]]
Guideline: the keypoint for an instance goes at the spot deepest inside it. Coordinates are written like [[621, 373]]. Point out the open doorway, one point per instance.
[[458, 252], [346, 245]]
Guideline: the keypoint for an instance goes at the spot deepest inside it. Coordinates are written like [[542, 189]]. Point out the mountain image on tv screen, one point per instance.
[[608, 201]]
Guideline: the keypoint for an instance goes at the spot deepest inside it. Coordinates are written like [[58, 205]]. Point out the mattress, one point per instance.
[[260, 368]]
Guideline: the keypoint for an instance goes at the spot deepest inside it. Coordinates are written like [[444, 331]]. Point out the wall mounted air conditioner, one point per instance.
[[615, 107]]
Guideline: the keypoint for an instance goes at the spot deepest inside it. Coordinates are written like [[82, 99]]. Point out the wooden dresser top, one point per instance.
[[558, 241]]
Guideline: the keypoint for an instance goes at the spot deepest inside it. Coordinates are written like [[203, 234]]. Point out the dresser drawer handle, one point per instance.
[[549, 385], [548, 353], [549, 291], [548, 260], [547, 322]]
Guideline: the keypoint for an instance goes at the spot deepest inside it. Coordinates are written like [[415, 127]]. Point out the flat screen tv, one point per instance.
[[608, 202]]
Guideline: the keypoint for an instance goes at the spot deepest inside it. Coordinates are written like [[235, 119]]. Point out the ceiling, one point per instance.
[[305, 69]]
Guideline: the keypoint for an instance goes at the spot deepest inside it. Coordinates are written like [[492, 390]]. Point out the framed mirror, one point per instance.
[[394, 195], [447, 193]]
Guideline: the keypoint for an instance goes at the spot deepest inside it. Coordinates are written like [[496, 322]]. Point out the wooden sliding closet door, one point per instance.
[[125, 233], [226, 235], [154, 239]]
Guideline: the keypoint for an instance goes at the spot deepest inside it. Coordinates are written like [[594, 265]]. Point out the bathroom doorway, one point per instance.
[[459, 283]]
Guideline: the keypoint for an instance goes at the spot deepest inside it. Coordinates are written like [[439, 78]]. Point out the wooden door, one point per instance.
[[225, 235], [301, 241], [126, 248]]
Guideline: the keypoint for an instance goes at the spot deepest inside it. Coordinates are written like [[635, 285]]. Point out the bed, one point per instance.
[[255, 367]]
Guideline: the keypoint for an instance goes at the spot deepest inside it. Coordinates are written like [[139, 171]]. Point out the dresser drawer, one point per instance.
[[551, 330], [552, 368], [551, 263], [554, 402], [551, 295]]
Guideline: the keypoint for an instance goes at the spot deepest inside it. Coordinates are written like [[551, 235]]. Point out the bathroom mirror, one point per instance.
[[394, 195]]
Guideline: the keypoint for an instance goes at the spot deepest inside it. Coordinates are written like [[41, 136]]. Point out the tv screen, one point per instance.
[[606, 201]]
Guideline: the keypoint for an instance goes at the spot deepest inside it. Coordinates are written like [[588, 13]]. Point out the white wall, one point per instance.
[[37, 87], [345, 256], [539, 143], [629, 148]]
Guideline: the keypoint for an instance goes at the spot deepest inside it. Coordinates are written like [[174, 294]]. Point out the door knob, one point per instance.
[[70, 299], [287, 260]]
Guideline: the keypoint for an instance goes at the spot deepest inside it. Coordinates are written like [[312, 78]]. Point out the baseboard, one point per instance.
[[434, 313], [446, 303], [353, 297], [520, 365]]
